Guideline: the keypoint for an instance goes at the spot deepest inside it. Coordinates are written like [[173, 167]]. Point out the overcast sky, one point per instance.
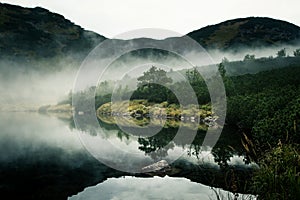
[[112, 17]]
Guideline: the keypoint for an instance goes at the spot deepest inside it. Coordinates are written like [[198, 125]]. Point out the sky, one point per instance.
[[113, 17]]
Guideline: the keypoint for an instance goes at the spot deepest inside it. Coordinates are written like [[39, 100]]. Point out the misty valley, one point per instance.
[[86, 117]]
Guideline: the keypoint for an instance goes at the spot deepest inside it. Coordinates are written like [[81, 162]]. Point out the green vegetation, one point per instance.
[[278, 176], [143, 109], [35, 39], [297, 53], [281, 53], [265, 106], [246, 32], [152, 85], [249, 57]]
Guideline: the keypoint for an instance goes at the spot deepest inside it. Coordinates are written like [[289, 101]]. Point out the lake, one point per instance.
[[48, 157]]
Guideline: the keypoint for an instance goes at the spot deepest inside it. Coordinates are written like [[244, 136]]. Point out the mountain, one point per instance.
[[38, 38], [251, 32], [34, 33]]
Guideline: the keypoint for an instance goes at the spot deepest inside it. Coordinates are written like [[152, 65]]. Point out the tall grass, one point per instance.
[[278, 176], [225, 195]]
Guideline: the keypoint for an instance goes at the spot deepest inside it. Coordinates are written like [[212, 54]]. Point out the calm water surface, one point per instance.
[[46, 157]]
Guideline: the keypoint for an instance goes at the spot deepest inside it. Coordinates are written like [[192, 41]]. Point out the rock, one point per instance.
[[192, 119], [158, 166]]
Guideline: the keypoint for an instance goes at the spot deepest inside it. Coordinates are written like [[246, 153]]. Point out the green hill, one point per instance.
[[28, 34], [247, 32]]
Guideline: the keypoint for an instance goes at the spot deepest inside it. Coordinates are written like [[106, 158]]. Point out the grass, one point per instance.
[[222, 195], [226, 33], [278, 176]]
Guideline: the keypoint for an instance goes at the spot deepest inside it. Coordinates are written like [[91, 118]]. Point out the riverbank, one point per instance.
[[59, 108], [164, 110], [62, 111], [139, 112]]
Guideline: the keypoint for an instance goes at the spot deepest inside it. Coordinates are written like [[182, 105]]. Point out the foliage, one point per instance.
[[297, 53], [249, 57], [279, 175], [222, 70], [281, 53], [198, 84], [152, 85], [266, 105]]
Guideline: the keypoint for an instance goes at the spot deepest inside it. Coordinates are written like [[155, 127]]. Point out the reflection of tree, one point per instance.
[[196, 146], [222, 156], [157, 146], [154, 148], [194, 150], [122, 134]]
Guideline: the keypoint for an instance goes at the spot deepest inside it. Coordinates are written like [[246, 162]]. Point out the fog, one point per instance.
[[36, 88], [49, 82], [239, 54], [28, 87], [26, 136]]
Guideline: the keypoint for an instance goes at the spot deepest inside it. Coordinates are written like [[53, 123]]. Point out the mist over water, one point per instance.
[[30, 134], [34, 86]]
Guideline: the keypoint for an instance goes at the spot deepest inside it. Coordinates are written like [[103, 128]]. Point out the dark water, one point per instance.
[[47, 157]]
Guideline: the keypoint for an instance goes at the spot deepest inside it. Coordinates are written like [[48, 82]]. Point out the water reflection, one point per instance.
[[167, 188], [25, 133], [224, 166], [163, 146], [43, 158]]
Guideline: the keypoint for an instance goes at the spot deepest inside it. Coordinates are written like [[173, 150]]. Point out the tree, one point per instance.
[[281, 53], [297, 53], [152, 85], [249, 57], [222, 70], [154, 75], [198, 84], [194, 76]]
